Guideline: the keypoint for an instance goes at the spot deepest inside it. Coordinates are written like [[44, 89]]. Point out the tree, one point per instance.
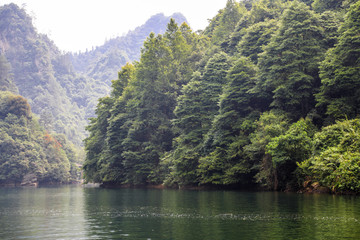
[[339, 72], [225, 22], [95, 144], [289, 65], [193, 116], [127, 72], [58, 168], [261, 11], [335, 159], [182, 161], [224, 162], [270, 125], [14, 104], [330, 5], [289, 149], [257, 36], [25, 148], [117, 130]]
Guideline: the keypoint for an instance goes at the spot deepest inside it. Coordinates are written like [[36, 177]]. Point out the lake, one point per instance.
[[75, 212]]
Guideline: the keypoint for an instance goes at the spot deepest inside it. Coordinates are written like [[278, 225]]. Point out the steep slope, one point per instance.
[[27, 151], [45, 76], [63, 89]]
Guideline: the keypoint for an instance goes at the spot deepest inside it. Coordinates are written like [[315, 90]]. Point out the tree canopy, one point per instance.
[[252, 100]]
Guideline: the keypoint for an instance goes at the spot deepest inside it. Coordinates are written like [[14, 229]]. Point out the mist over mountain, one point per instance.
[[103, 62], [63, 89], [35, 64]]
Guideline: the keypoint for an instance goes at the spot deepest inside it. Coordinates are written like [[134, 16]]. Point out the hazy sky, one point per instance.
[[79, 24]]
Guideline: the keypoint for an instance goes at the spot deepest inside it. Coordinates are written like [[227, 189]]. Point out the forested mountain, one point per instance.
[[27, 151], [62, 97], [44, 76], [265, 96], [103, 62], [63, 88]]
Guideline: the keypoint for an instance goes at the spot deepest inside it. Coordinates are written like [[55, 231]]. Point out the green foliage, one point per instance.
[[190, 118], [256, 37], [222, 25], [95, 143], [118, 86], [13, 104], [265, 10], [326, 5], [229, 131], [289, 65], [194, 114], [269, 126], [340, 78], [335, 161], [290, 148], [260, 13], [26, 149], [195, 110], [125, 146], [331, 21]]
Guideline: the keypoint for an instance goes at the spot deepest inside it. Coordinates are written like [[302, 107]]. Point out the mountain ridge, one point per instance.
[[60, 93], [103, 62]]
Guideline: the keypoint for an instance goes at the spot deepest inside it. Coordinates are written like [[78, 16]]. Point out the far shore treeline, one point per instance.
[[266, 97]]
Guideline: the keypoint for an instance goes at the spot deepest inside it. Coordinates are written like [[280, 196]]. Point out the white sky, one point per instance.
[[75, 25]]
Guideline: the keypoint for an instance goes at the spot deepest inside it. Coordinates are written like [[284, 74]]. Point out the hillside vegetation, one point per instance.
[[266, 96], [63, 88], [46, 142], [26, 148]]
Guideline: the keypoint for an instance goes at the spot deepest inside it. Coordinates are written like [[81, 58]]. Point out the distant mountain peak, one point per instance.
[[179, 18], [105, 61]]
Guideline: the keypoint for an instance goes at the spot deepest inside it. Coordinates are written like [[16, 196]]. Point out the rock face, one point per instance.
[[30, 180]]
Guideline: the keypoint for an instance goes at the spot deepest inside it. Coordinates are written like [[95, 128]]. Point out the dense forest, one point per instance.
[[58, 86], [62, 90], [266, 96], [27, 150]]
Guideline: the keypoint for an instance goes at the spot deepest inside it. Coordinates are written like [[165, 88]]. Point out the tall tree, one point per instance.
[[138, 127], [331, 5], [224, 23], [225, 162], [289, 149], [270, 125], [340, 71], [118, 126], [95, 144], [193, 116], [289, 65], [257, 36], [261, 11]]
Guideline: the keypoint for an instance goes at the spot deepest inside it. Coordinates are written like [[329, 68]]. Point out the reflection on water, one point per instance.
[[73, 212], [42, 213]]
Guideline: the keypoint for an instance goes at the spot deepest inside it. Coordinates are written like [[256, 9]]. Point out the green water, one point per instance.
[[72, 212]]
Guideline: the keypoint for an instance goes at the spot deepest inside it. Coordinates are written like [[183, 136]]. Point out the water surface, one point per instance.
[[75, 212]]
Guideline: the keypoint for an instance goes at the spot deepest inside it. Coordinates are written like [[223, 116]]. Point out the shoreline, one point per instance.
[[307, 190]]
